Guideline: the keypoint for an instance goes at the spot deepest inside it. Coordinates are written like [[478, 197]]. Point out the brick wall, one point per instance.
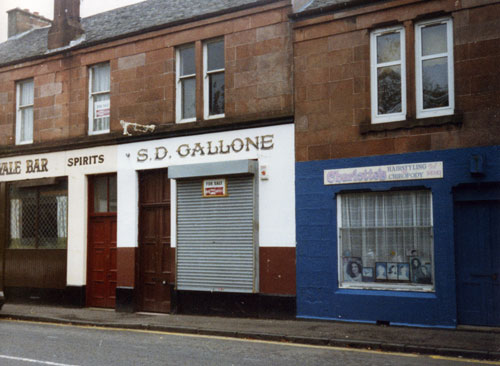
[[258, 52], [332, 82]]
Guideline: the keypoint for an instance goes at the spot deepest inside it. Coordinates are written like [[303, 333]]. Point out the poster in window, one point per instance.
[[214, 188], [101, 109], [392, 271], [353, 270], [368, 274], [381, 271], [403, 271], [420, 271]]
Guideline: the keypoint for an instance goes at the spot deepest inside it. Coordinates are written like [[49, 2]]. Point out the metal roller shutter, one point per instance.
[[215, 237]]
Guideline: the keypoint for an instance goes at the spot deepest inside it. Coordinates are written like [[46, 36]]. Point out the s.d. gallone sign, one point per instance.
[[236, 145]]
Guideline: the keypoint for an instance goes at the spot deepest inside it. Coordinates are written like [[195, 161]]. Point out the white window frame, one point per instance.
[[206, 80], [20, 108], [392, 117], [441, 111], [178, 84], [91, 101], [382, 285]]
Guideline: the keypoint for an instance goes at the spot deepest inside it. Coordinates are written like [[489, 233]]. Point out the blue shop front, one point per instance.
[[410, 239]]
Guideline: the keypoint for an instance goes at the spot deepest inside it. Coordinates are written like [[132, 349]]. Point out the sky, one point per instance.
[[46, 9]]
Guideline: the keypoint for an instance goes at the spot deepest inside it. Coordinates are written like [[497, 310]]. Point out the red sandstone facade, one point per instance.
[[332, 81]]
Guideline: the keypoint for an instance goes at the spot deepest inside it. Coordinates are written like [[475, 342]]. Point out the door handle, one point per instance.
[[494, 276]]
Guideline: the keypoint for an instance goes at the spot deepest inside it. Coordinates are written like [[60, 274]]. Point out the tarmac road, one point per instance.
[[29, 343]]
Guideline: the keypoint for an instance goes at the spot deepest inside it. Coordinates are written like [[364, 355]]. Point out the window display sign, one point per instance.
[[384, 173], [214, 188], [101, 109]]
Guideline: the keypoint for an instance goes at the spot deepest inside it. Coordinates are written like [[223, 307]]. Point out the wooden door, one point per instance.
[[477, 233], [101, 269], [155, 268]]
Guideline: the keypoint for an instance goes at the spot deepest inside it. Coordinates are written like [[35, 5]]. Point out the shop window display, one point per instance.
[[386, 240], [38, 217]]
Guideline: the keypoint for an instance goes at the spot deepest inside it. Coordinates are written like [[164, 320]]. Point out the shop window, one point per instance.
[[24, 115], [213, 67], [186, 84], [38, 217], [103, 190], [386, 240], [99, 99], [388, 75], [434, 68]]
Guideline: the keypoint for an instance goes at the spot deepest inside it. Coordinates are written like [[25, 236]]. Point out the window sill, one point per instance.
[[415, 288], [409, 123], [94, 133]]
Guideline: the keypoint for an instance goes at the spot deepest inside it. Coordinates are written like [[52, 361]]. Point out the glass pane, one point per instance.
[[27, 93], [187, 66], [100, 194], [53, 217], [188, 98], [215, 55], [216, 94], [389, 47], [434, 39], [435, 83], [112, 194], [47, 213], [27, 124], [101, 78], [389, 89]]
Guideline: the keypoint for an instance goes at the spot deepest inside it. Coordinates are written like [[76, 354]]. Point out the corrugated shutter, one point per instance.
[[215, 237]]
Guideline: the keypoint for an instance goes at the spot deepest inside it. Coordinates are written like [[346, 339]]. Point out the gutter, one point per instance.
[[332, 8]]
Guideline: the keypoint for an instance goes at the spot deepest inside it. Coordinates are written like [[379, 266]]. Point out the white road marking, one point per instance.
[[34, 361]]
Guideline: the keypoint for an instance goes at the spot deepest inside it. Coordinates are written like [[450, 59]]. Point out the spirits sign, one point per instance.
[[214, 188]]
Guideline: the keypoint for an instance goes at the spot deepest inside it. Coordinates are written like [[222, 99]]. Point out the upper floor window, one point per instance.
[[189, 82], [24, 111], [99, 99], [186, 84], [213, 72], [388, 79], [434, 68]]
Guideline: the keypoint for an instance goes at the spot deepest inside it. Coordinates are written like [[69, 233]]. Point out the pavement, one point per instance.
[[471, 343]]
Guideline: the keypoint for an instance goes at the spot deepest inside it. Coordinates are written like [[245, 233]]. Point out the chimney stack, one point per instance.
[[21, 21], [66, 25]]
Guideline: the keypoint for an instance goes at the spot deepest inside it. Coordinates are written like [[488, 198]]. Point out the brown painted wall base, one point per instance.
[[277, 270]]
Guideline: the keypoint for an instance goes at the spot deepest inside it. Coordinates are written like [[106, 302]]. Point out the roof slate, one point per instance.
[[118, 22]]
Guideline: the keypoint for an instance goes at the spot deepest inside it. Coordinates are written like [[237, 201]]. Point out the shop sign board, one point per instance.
[[215, 187], [384, 173]]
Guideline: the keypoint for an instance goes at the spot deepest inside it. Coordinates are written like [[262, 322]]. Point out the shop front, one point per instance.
[[206, 223], [400, 239], [44, 203]]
